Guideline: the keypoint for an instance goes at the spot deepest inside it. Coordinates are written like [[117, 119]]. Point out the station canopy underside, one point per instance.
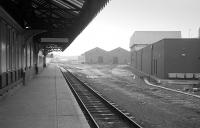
[[64, 19]]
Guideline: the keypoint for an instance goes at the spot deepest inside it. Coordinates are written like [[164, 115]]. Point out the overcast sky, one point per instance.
[[115, 24]]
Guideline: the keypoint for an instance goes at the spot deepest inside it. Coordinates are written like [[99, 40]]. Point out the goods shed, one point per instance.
[[119, 56], [96, 56]]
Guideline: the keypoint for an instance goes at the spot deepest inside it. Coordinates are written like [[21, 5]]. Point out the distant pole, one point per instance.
[[189, 32], [199, 32]]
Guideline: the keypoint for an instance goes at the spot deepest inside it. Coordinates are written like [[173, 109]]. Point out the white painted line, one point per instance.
[[147, 82]]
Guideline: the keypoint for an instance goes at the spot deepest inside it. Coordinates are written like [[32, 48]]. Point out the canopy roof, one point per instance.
[[59, 18]]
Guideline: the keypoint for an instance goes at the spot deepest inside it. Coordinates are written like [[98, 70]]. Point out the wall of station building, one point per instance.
[[17, 55], [169, 59]]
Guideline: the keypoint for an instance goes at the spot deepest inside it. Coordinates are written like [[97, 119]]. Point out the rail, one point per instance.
[[99, 112]]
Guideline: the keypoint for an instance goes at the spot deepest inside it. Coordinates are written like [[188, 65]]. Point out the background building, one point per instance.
[[141, 39], [96, 56], [170, 59], [119, 56], [81, 59]]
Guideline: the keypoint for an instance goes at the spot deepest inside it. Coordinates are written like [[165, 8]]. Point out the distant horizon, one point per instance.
[[55, 53], [61, 53]]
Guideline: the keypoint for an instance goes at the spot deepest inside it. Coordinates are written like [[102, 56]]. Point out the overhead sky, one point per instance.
[[115, 24]]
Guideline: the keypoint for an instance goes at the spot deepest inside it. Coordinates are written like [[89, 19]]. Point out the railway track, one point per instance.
[[99, 112]]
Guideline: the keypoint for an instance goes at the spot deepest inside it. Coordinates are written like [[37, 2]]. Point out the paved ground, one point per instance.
[[45, 102]]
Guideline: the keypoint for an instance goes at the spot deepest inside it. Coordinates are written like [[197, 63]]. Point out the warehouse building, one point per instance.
[[119, 56], [141, 39], [101, 56], [170, 59], [96, 56]]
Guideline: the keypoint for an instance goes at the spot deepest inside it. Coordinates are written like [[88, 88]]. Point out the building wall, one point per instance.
[[119, 56], [17, 61], [139, 60], [146, 59], [182, 57], [96, 56], [158, 59], [10, 50], [169, 59], [132, 58], [150, 59], [137, 47]]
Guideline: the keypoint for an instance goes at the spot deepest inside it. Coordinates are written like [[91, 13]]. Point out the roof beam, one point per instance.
[[62, 9], [63, 3], [57, 19], [57, 9]]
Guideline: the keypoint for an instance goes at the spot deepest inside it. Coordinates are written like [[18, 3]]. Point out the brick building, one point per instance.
[[119, 56], [96, 56]]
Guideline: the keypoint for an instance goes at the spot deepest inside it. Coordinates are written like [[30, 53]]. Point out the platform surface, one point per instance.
[[45, 102]]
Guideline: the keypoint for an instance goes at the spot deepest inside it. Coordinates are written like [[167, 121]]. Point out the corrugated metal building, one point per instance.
[[119, 56], [170, 59], [96, 56], [140, 39]]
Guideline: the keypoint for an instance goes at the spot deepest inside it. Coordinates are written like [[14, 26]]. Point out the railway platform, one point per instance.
[[44, 102]]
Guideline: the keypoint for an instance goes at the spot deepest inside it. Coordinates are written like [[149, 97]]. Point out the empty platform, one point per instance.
[[44, 102]]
